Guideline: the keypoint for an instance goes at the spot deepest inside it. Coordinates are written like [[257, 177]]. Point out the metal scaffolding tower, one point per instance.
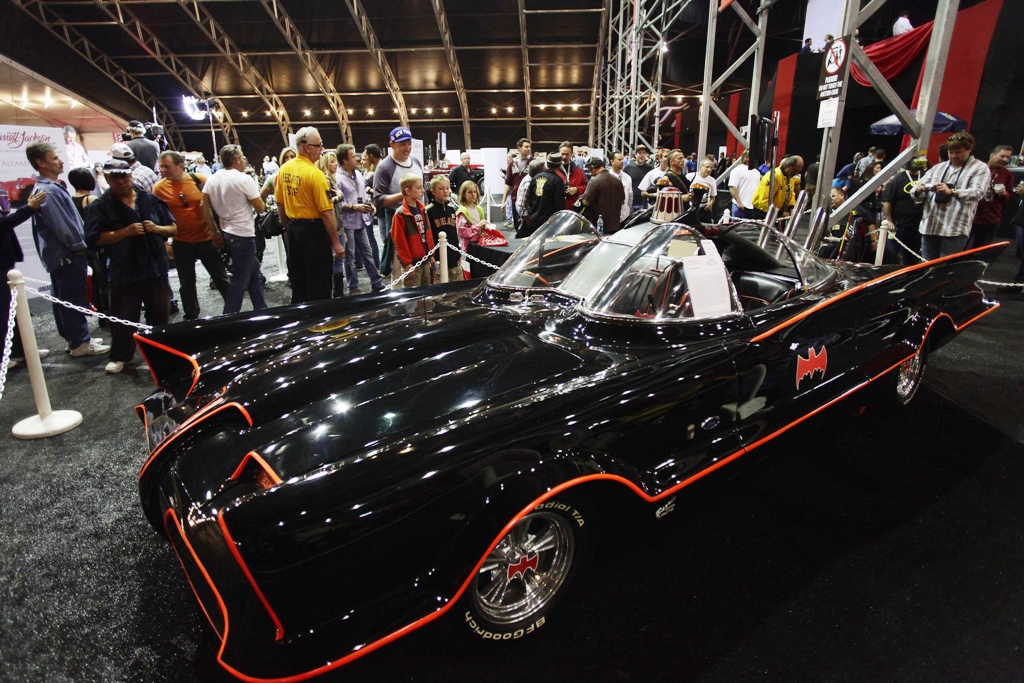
[[711, 84], [636, 36]]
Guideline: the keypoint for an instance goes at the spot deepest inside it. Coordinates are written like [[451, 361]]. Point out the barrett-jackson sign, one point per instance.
[[834, 68]]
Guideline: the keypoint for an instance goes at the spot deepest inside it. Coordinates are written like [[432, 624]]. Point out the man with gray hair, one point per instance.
[[145, 150], [787, 186], [462, 173], [60, 240], [307, 215], [233, 195]]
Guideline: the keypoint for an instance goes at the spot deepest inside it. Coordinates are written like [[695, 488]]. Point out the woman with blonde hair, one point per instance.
[[270, 184], [470, 219], [328, 163]]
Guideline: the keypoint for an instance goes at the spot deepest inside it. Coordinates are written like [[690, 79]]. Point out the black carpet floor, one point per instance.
[[873, 547]]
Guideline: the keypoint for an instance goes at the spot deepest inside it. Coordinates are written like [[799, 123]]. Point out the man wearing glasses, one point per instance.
[[198, 236], [307, 215], [951, 191]]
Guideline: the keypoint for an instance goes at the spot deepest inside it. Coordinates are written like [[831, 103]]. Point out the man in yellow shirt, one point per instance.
[[787, 186], [306, 209]]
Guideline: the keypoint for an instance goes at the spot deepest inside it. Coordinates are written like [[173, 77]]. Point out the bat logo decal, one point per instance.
[[521, 566], [815, 361]]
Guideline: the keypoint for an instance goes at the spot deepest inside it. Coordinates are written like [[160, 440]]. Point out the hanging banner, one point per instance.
[[18, 178]]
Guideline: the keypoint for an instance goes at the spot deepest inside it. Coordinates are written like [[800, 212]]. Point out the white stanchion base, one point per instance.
[[277, 278], [57, 422]]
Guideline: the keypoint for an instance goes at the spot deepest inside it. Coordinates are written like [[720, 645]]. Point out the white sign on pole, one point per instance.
[[17, 177], [494, 169], [827, 112], [417, 150]]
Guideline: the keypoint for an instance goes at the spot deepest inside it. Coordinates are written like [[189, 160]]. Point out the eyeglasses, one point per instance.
[[314, 144], [184, 199]]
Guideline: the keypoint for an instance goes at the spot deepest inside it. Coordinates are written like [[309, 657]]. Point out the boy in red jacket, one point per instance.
[[410, 234]]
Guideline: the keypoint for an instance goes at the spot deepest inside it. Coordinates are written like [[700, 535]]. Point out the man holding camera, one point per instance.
[[145, 150], [951, 191]]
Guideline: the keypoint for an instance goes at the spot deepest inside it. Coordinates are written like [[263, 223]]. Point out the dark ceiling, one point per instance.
[[121, 53]]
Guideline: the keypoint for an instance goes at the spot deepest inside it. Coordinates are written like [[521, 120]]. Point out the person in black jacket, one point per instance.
[[547, 195], [11, 254]]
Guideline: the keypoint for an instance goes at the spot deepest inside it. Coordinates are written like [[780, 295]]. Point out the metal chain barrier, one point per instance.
[[478, 260], [8, 342], [411, 269], [82, 309]]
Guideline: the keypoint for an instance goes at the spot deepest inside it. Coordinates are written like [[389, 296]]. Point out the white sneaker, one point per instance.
[[91, 348], [13, 363], [43, 353], [114, 367]]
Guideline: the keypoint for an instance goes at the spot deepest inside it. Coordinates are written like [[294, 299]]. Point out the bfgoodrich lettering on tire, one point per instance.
[[527, 574]]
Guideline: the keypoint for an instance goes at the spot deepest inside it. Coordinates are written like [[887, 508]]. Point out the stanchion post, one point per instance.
[[48, 422], [442, 240], [282, 267], [883, 236]]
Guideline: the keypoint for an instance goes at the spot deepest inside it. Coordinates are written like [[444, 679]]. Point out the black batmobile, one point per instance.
[[335, 475]]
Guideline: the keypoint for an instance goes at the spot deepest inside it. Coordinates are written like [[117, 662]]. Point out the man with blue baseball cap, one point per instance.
[[387, 195]]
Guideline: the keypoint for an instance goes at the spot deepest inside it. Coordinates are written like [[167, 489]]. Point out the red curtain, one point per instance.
[[892, 55]]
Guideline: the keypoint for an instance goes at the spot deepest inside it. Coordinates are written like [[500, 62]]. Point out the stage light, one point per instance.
[[195, 108]]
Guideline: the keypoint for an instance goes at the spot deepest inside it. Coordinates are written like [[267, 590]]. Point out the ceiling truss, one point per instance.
[[227, 49], [316, 70], [77, 42], [453, 64], [355, 7], [153, 46]]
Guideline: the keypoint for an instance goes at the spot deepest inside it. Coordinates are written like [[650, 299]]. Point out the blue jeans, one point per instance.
[[245, 274], [937, 246], [69, 284], [358, 246]]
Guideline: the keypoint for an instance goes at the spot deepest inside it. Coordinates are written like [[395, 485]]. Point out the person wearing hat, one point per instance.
[[387, 195], [145, 150], [547, 196], [144, 177], [306, 210], [637, 170], [605, 194], [951, 191], [132, 226]]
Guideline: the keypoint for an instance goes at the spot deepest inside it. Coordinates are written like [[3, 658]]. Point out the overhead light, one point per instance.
[[542, 106], [445, 110], [350, 111], [575, 107], [558, 106], [395, 110], [370, 112], [245, 114], [306, 112], [74, 103], [509, 110], [664, 47], [412, 111], [679, 98], [430, 110], [327, 112], [494, 110], [267, 112], [280, 112]]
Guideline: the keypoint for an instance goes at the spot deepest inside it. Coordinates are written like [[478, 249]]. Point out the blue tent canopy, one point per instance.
[[944, 123]]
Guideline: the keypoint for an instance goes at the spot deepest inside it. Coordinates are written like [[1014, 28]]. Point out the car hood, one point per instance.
[[317, 392]]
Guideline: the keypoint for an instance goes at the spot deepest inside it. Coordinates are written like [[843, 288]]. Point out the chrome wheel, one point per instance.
[[908, 378], [525, 571]]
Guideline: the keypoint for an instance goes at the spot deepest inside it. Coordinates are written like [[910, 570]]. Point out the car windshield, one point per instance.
[[550, 254], [752, 247], [673, 273]]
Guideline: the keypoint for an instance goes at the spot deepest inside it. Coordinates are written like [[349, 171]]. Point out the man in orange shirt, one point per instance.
[[198, 237]]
